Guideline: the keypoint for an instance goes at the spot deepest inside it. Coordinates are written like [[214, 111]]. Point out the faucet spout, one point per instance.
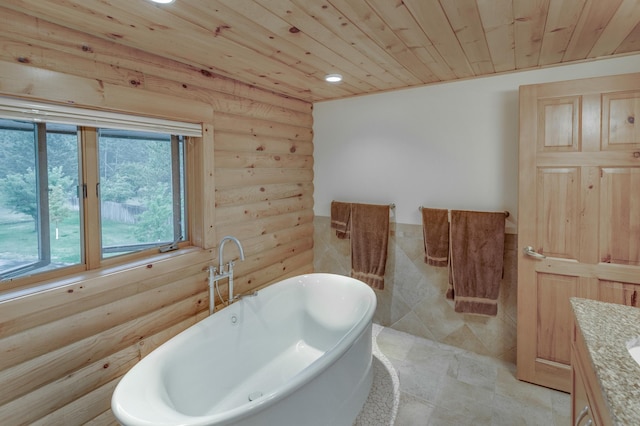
[[229, 272], [223, 241]]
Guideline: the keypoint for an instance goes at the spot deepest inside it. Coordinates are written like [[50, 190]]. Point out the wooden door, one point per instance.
[[578, 211]]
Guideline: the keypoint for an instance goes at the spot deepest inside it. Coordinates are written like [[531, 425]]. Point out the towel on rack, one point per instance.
[[476, 261], [340, 218], [369, 241], [435, 229]]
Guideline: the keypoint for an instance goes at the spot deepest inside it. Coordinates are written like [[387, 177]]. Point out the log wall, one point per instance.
[[62, 351]]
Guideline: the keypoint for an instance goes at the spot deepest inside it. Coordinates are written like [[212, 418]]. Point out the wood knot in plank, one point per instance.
[[221, 28]]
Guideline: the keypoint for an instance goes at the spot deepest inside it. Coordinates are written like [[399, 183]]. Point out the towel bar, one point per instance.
[[506, 212], [393, 206]]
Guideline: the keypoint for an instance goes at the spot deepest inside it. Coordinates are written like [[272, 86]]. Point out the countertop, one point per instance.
[[607, 328]]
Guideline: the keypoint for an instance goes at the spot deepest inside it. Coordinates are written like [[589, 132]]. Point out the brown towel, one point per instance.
[[476, 261], [369, 240], [340, 217], [435, 228]]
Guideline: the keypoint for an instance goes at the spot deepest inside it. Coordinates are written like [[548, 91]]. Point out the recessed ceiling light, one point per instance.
[[333, 78], [163, 1]]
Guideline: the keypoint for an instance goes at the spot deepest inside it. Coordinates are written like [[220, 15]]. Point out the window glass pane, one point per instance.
[[18, 202], [137, 191], [39, 214]]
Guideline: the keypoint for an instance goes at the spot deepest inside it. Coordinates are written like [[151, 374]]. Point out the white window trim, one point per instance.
[[21, 109]]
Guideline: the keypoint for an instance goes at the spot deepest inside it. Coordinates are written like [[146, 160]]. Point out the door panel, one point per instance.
[[620, 111], [558, 124], [579, 205], [622, 293], [558, 194], [619, 227], [554, 320]]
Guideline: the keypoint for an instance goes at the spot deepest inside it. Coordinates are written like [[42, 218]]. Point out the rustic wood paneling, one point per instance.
[[288, 46], [62, 351]]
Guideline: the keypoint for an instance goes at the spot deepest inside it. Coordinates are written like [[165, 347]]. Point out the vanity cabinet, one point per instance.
[[604, 376], [587, 404]]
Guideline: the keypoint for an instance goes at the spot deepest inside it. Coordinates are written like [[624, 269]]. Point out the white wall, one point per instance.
[[451, 145]]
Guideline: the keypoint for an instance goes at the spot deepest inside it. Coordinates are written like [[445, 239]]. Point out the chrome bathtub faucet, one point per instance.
[[219, 273], [223, 241], [242, 296]]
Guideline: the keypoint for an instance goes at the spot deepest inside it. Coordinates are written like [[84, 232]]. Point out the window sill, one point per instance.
[[67, 282]]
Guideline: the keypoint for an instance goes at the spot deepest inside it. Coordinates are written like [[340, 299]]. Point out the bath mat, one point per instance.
[[381, 406]]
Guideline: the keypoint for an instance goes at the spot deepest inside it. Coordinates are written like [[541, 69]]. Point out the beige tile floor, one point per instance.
[[441, 385]]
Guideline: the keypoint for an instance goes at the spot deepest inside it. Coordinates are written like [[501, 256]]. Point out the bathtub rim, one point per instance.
[[157, 359]]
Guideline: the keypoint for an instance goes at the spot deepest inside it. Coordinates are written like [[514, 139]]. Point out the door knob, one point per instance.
[[529, 251]]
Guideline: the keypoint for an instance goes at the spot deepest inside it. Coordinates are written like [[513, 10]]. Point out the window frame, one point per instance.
[[178, 204], [42, 201], [196, 185]]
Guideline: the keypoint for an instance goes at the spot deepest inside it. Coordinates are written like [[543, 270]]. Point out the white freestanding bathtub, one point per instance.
[[298, 353]]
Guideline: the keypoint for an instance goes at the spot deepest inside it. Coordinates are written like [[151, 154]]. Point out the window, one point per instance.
[[39, 213], [141, 190], [69, 191]]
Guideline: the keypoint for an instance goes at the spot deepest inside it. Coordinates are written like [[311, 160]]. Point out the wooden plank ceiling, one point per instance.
[[288, 46]]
